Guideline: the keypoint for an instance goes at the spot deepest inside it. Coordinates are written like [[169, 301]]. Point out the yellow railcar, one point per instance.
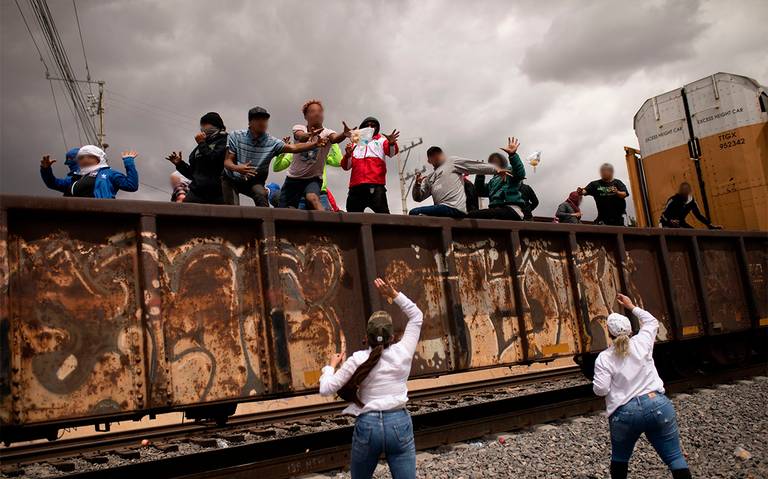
[[712, 133]]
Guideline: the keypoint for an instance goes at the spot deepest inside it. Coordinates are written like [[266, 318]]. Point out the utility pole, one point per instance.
[[96, 105], [401, 164]]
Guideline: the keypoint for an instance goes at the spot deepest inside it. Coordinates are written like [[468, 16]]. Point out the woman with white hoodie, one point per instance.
[[634, 394]]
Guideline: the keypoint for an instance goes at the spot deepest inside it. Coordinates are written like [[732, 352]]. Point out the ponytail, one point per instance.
[[621, 345], [348, 392]]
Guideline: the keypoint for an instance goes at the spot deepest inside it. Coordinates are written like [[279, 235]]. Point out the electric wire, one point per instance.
[[82, 44], [58, 116]]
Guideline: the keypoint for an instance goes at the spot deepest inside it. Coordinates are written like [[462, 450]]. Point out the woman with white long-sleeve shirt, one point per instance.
[[634, 394], [374, 381]]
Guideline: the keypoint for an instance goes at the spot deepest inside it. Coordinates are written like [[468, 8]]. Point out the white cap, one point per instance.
[[93, 151], [618, 324]]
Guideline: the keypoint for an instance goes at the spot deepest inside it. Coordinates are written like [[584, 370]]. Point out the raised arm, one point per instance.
[[474, 167], [130, 180], [50, 180], [346, 161], [415, 317], [330, 381], [302, 147], [422, 189], [649, 326], [335, 138]]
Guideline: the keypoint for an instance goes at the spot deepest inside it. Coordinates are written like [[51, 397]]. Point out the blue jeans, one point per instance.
[[385, 432], [437, 210], [654, 416], [323, 201]]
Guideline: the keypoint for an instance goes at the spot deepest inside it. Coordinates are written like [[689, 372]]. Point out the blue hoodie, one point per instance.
[[71, 160], [108, 181]]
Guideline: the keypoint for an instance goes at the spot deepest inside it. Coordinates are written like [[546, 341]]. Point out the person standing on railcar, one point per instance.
[[93, 178], [610, 197], [374, 381], [634, 394]]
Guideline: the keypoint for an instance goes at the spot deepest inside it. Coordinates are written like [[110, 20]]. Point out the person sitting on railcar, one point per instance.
[[446, 184], [634, 394], [569, 210], [679, 206], [93, 178], [505, 200], [374, 380]]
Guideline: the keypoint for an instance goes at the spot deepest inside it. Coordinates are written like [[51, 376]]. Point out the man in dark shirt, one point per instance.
[[610, 197], [530, 201]]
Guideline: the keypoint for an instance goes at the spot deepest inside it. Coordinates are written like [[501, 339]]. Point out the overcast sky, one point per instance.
[[564, 77]]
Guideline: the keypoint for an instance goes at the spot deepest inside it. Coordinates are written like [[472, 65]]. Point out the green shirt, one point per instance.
[[500, 192], [283, 161]]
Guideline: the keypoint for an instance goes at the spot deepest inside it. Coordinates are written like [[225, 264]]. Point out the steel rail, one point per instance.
[[61, 449]]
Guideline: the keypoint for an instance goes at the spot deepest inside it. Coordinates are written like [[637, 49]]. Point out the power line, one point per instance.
[[32, 36], [153, 106], [56, 104], [82, 44]]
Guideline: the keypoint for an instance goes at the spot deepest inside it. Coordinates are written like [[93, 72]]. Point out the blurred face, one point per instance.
[[258, 125], [314, 115], [85, 161], [207, 128], [606, 173], [496, 160], [436, 159], [685, 189]]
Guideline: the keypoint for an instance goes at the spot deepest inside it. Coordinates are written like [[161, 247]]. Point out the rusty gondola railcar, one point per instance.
[[119, 309]]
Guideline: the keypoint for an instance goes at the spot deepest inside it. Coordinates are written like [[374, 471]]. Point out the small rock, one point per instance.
[[423, 456], [545, 428], [682, 396], [580, 420], [503, 438], [742, 453]]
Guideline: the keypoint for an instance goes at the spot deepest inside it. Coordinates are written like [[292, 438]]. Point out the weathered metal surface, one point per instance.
[[596, 261], [412, 260], [757, 266], [320, 280], [548, 305], [684, 288], [212, 311], [128, 307], [645, 282], [724, 288], [487, 300], [77, 339]]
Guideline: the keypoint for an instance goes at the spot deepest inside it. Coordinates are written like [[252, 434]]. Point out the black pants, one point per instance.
[[610, 221], [370, 196], [496, 213], [296, 189], [194, 197]]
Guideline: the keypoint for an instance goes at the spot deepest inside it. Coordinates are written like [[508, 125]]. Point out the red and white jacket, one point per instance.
[[367, 162]]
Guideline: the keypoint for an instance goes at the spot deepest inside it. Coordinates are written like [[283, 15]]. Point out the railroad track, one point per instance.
[[328, 449], [66, 448]]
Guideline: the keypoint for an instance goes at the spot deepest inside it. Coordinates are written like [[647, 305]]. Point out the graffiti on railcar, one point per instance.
[[487, 301], [724, 291], [548, 305], [644, 283], [75, 318], [317, 276], [415, 265], [684, 288], [5, 325], [757, 265], [212, 319], [599, 286]]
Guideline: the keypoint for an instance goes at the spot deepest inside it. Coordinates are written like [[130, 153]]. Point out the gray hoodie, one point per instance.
[[446, 183]]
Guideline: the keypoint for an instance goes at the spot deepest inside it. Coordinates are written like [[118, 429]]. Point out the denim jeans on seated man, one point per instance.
[[323, 201], [388, 432], [654, 415], [437, 210]]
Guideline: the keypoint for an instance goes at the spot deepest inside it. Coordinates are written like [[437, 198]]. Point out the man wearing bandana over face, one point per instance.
[[206, 162]]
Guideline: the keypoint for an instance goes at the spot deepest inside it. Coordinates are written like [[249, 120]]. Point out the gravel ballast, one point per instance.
[[724, 431]]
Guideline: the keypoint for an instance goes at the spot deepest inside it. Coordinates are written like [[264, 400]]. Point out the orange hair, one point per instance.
[[309, 103]]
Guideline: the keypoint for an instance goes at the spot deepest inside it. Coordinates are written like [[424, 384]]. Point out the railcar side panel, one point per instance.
[[724, 286], [645, 282]]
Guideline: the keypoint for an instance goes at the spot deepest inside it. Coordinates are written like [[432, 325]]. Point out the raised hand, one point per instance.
[[392, 137], [349, 149], [385, 289], [419, 178], [625, 301], [338, 358], [132, 154], [47, 161], [512, 145], [287, 140], [174, 157], [347, 130], [504, 173], [199, 137]]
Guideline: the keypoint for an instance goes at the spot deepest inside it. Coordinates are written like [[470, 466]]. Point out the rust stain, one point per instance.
[[724, 289], [600, 276]]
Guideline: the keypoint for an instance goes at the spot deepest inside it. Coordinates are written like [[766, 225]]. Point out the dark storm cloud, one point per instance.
[[608, 40], [462, 75]]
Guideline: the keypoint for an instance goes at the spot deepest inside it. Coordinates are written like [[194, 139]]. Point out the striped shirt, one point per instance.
[[258, 152]]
